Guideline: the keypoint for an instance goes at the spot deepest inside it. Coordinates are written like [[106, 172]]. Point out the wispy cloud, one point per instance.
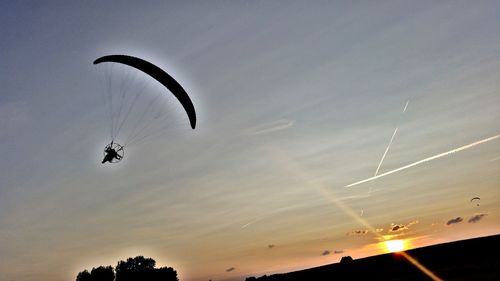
[[400, 227], [269, 214], [358, 232], [338, 251], [476, 218], [325, 253], [230, 269], [397, 227], [454, 221], [425, 160], [359, 196], [270, 127]]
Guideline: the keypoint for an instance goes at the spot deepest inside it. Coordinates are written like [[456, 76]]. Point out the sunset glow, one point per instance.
[[324, 130], [394, 246]]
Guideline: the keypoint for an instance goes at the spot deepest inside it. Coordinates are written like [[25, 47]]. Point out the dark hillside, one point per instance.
[[474, 259]]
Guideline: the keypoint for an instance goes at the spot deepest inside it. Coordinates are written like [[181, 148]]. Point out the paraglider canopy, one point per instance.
[[139, 115], [159, 75], [475, 199]]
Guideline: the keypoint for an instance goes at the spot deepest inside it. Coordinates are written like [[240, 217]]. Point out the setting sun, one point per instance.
[[394, 246]]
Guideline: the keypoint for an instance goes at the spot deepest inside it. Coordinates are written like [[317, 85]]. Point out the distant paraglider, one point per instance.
[[475, 200], [122, 102]]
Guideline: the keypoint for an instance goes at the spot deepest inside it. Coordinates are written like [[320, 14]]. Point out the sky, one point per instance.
[[295, 101]]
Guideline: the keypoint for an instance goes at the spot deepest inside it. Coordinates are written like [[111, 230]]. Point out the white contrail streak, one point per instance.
[[385, 152], [404, 109], [495, 159], [251, 222], [390, 143], [426, 160]]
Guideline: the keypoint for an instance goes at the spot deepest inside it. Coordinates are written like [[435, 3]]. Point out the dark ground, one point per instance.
[[475, 259]]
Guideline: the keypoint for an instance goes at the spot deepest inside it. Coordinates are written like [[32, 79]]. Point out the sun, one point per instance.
[[394, 246]]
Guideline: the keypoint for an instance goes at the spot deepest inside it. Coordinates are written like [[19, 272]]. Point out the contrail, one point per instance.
[[425, 160], [407, 102], [385, 152], [495, 159], [390, 143], [251, 222], [301, 173]]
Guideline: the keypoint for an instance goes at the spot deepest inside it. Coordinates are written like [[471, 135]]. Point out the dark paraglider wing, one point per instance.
[[475, 198], [158, 74]]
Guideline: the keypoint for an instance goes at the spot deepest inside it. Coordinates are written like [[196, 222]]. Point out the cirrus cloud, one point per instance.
[[269, 127]]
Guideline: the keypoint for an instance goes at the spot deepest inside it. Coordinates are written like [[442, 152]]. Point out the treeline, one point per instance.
[[133, 269]]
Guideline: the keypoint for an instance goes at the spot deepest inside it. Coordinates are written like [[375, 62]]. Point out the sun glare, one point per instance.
[[395, 246]]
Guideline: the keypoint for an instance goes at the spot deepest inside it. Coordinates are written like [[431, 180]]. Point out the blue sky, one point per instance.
[[294, 101]]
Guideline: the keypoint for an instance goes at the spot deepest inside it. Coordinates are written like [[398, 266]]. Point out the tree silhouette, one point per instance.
[[165, 274], [101, 273], [133, 269], [84, 276], [346, 259], [137, 264]]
